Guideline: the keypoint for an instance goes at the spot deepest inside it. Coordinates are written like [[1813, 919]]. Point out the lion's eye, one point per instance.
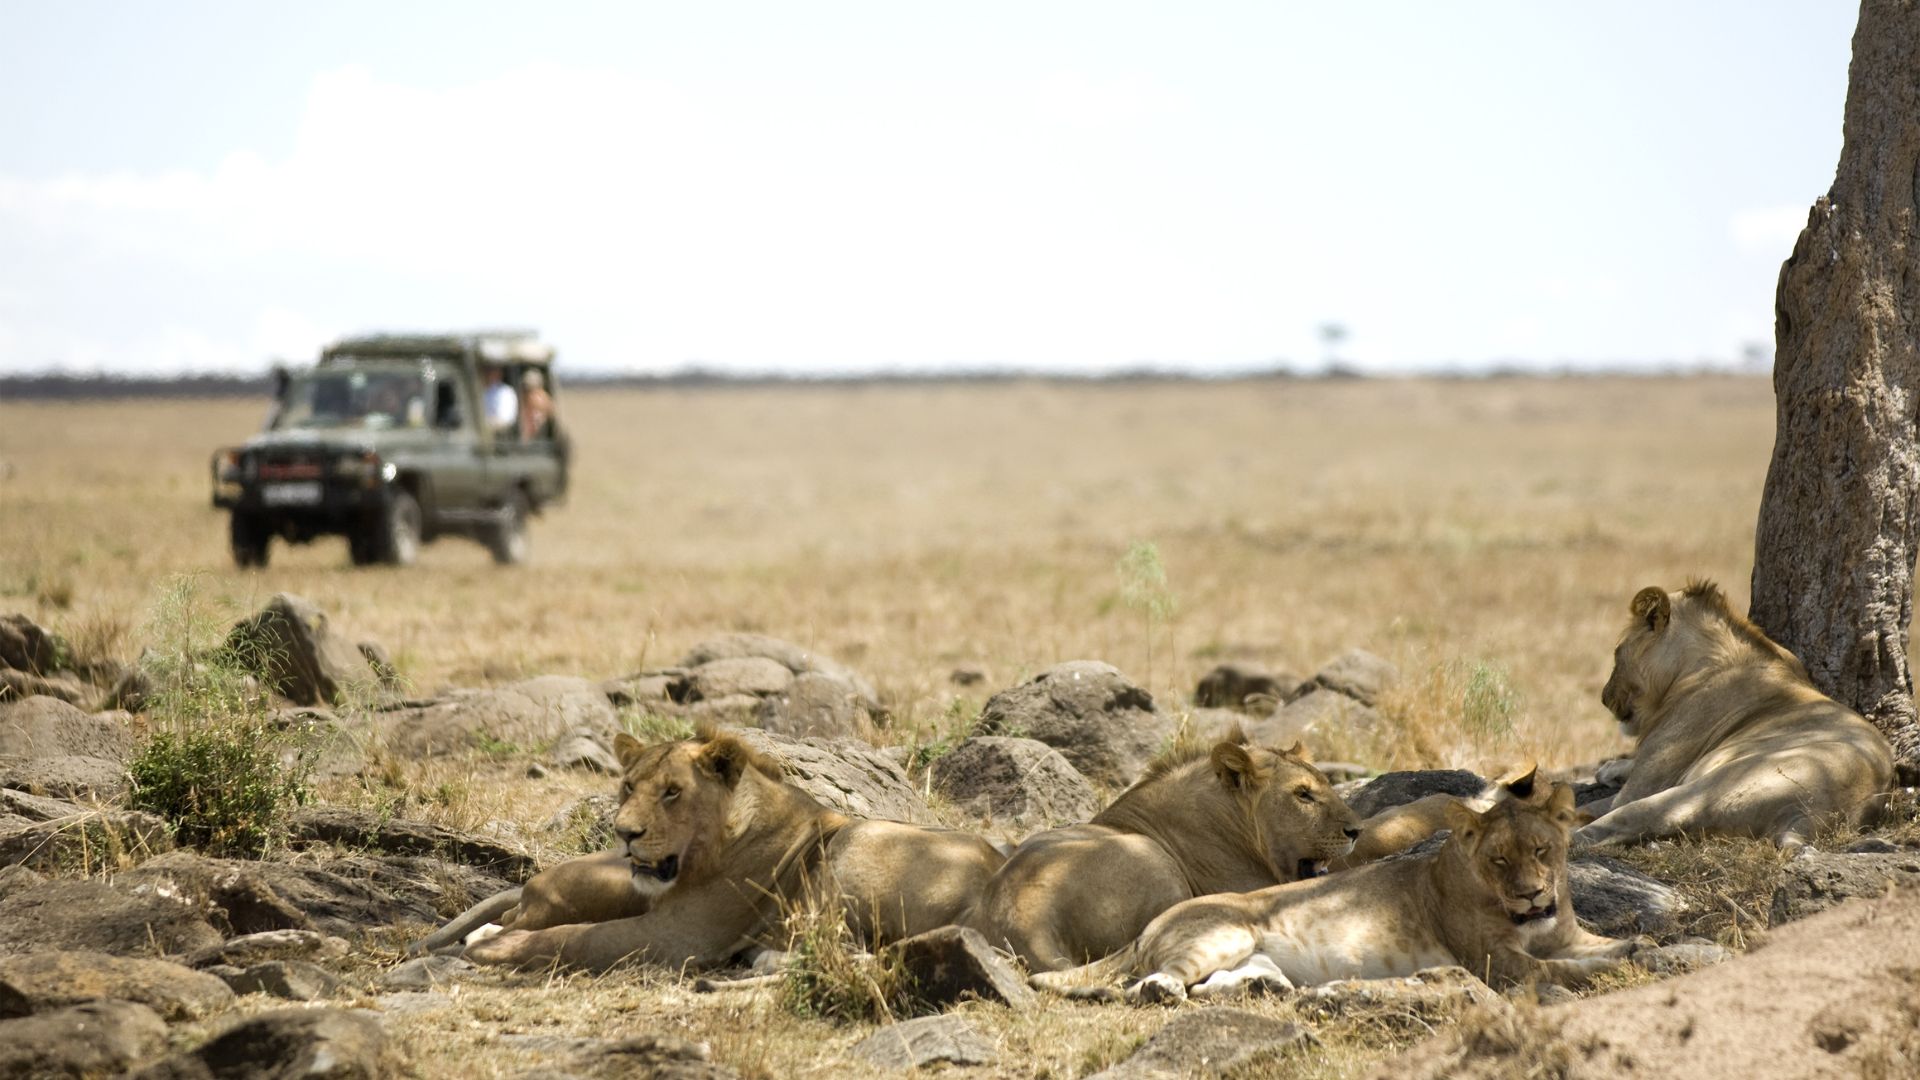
[[626, 792], [1540, 852], [1305, 794], [670, 794], [1500, 862]]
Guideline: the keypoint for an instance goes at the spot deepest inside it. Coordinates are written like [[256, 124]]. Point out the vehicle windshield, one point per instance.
[[354, 399]]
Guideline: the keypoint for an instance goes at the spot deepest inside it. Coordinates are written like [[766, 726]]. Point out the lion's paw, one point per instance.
[[1158, 988], [509, 947]]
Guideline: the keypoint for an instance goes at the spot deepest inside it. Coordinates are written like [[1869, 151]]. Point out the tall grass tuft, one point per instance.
[[829, 978], [215, 765]]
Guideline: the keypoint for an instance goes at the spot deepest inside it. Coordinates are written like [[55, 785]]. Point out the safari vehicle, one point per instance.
[[386, 440]]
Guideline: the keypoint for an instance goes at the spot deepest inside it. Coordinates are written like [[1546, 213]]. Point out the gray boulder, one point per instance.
[[928, 1040], [1816, 880], [83, 840], [1104, 724], [65, 776], [121, 918], [303, 657], [44, 727], [347, 827], [305, 1043], [256, 948], [1388, 790], [952, 963], [39, 982], [1615, 900], [1021, 781], [793, 657], [1243, 685], [816, 703], [1414, 1004], [93, 1038], [293, 980], [1212, 1041], [525, 716], [1358, 674], [850, 777], [752, 676]]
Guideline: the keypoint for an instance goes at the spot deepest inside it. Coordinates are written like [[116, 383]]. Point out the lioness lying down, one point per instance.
[[1237, 818], [1493, 899], [1730, 734], [717, 847]]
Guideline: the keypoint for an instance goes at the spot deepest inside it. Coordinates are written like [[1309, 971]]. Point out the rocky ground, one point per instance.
[[124, 948]]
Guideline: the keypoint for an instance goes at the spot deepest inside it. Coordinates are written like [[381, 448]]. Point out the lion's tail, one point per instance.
[[475, 917], [1094, 980]]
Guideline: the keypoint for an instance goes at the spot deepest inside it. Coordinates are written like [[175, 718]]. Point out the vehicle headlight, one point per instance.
[[388, 470]]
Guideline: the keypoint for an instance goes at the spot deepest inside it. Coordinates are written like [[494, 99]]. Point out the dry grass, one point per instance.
[[1485, 536]]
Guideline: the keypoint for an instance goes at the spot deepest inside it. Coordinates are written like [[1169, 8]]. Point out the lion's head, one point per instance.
[[1515, 852], [1298, 821], [675, 799], [1672, 635]]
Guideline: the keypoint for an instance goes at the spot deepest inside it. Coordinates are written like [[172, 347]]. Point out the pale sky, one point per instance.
[[829, 186]]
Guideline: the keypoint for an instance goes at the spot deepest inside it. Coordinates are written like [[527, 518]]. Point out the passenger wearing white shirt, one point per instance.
[[502, 404]]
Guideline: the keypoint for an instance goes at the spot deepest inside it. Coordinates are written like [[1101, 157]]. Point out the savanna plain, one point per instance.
[[1484, 535]]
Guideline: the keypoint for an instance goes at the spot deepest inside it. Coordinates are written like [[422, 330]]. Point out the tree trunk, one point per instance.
[[1834, 548]]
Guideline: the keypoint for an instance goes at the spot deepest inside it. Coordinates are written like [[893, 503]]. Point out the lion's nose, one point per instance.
[[627, 836], [1352, 833]]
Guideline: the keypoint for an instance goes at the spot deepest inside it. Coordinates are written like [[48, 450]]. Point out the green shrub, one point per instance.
[[215, 765]]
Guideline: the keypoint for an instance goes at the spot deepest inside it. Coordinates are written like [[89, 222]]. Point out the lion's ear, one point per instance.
[[627, 749], [1560, 806], [1234, 766], [1299, 750], [1651, 606], [1464, 823], [727, 758], [1522, 783]]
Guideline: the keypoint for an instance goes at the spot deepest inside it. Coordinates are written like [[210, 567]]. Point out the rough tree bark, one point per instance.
[[1835, 543]]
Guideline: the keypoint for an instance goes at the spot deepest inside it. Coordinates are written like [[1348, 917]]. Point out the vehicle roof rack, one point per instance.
[[498, 346]]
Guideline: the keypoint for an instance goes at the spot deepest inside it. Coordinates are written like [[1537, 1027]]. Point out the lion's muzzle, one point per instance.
[[662, 871]]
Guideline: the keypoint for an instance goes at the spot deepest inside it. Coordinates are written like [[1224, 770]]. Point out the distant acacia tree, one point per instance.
[[1331, 335], [1835, 543]]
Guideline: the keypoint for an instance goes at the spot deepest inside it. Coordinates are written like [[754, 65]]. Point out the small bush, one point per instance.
[[828, 978], [215, 765]]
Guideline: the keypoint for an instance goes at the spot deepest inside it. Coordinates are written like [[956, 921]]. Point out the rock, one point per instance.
[[1816, 880], [93, 1038], [16, 685], [752, 676], [954, 962], [1207, 1042], [365, 829], [65, 776], [44, 727], [1102, 723], [249, 949], [411, 1001], [294, 980], [86, 840], [1413, 1004], [338, 1044], [1388, 790], [583, 748], [25, 646], [732, 709], [648, 688], [36, 807], [524, 716], [1682, 958], [426, 973], [342, 895], [1357, 674], [1231, 686], [795, 659], [967, 676], [816, 704], [929, 1040], [849, 777], [1314, 713], [656, 1057], [1615, 900], [15, 879], [302, 656], [40, 981], [121, 918], [1017, 780]]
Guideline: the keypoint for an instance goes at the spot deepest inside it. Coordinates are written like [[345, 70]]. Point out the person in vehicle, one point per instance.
[[537, 409], [502, 404]]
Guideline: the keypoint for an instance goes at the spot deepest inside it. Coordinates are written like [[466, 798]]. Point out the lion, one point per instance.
[[1236, 818], [1493, 899], [717, 848], [1399, 828], [1730, 735]]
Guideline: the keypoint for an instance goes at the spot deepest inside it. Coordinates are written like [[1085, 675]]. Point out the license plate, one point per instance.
[[307, 494]]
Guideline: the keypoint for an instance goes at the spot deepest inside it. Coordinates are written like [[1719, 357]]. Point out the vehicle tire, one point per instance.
[[249, 539], [399, 537], [363, 547], [507, 537]]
